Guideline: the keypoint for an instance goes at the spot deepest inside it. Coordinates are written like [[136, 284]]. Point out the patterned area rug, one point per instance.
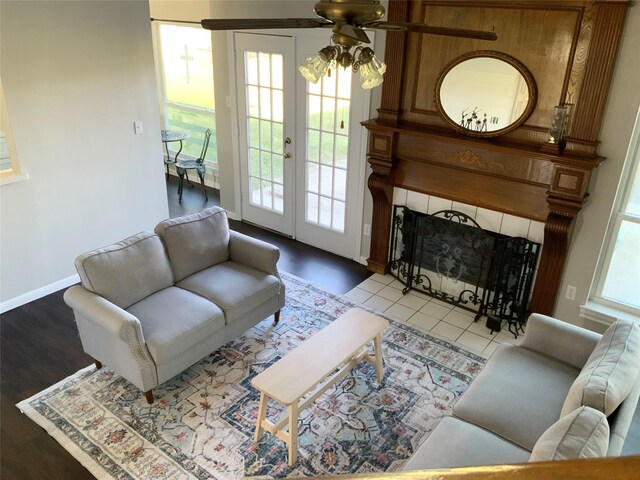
[[202, 422]]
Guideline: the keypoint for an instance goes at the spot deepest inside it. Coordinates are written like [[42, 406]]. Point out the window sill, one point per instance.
[[603, 314], [18, 177]]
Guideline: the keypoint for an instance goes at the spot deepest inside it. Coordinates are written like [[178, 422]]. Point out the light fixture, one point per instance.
[[362, 59]]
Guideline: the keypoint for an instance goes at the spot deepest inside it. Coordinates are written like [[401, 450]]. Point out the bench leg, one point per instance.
[[377, 341], [262, 410], [293, 433]]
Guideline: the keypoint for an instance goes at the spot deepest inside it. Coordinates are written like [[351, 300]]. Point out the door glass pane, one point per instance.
[[312, 208], [325, 211], [313, 145], [277, 105], [326, 149], [326, 181], [340, 184], [327, 122], [313, 177], [254, 162], [265, 107]]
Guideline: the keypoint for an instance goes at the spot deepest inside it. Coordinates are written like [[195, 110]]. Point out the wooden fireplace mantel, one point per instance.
[[411, 147]]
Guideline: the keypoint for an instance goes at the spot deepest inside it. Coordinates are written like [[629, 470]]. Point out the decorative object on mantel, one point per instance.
[[203, 421], [347, 19], [494, 92], [559, 126]]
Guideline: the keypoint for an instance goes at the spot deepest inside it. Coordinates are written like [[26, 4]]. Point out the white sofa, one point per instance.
[[565, 392], [154, 304]]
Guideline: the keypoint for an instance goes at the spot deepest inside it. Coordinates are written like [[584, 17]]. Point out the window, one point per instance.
[[9, 166], [618, 283], [186, 74]]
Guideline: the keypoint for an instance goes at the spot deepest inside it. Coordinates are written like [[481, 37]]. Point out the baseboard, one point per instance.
[[38, 293], [362, 260]]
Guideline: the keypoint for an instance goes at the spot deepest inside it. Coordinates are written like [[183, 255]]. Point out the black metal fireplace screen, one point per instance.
[[448, 256]]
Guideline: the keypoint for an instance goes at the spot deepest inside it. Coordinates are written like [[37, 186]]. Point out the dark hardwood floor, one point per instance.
[[40, 346]]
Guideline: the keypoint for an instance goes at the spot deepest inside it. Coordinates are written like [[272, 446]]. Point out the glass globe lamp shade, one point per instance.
[[378, 65], [316, 66], [371, 73]]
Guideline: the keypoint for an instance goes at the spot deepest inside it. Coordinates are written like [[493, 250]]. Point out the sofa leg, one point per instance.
[[98, 364], [149, 396], [276, 317]]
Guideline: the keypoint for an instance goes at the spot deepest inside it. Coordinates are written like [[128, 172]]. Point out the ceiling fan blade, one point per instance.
[[420, 28], [351, 31], [262, 23]]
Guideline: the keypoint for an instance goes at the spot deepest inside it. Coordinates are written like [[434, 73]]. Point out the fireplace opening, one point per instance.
[[448, 256]]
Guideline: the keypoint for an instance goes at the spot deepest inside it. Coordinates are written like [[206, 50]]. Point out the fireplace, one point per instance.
[[449, 256], [517, 173]]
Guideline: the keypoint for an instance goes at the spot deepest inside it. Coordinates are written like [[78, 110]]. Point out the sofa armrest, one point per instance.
[[254, 253], [560, 340], [113, 336]]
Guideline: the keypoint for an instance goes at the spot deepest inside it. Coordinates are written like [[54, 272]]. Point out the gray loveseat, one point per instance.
[[565, 392], [154, 304]]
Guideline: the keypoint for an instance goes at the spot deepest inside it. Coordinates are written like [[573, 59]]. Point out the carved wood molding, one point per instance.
[[557, 234], [380, 183], [382, 192], [606, 23], [395, 47]]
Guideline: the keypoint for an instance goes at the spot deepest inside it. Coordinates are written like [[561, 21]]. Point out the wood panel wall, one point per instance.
[[570, 48]]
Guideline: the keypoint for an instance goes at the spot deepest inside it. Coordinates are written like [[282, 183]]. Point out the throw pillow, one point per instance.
[[584, 433], [610, 372]]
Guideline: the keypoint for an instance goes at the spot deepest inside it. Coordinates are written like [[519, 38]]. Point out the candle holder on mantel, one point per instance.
[[555, 138]]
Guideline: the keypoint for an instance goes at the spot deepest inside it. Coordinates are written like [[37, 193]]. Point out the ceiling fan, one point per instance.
[[348, 20]]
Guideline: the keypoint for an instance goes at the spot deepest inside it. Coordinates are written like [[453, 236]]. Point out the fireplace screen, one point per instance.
[[448, 256]]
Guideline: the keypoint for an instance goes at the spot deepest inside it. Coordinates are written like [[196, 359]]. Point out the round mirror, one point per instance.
[[485, 93]]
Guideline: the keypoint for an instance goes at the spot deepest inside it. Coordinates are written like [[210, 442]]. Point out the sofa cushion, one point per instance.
[[197, 241], [517, 395], [456, 443], [236, 288], [610, 372], [127, 271], [583, 433], [173, 320]]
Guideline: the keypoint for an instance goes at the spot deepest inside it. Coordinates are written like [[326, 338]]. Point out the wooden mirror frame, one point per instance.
[[519, 66]]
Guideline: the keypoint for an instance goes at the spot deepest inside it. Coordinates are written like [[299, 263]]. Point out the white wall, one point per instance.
[[76, 75], [620, 114]]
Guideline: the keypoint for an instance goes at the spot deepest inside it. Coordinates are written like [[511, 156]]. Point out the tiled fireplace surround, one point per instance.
[[491, 220]]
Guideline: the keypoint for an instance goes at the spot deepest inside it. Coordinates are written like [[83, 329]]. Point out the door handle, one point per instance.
[[287, 155]]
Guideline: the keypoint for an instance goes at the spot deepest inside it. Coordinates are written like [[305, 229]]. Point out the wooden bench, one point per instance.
[[332, 353]]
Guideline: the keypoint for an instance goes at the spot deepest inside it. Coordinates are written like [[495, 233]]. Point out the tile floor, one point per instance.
[[384, 293]]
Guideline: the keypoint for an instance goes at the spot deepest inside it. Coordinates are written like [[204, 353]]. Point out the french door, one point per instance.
[[264, 72], [301, 149]]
